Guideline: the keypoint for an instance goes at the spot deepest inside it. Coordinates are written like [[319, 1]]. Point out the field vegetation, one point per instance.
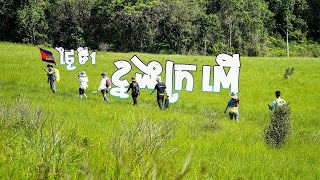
[[45, 135]]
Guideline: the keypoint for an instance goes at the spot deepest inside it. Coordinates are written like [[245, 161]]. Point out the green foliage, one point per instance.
[[33, 25], [70, 22], [161, 26], [46, 149], [278, 132], [88, 128], [138, 150], [288, 72]]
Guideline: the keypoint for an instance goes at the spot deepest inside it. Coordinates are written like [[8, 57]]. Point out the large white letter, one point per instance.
[[123, 68], [220, 77], [182, 71], [227, 60], [83, 55], [70, 60], [152, 70], [169, 76], [61, 52], [206, 74]]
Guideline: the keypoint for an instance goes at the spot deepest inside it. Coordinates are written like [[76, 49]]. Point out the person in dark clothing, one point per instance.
[[135, 90], [160, 87], [51, 77], [232, 106]]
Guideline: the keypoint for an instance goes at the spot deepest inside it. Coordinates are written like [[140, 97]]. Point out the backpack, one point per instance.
[[57, 74], [235, 102], [166, 102], [135, 89], [161, 87], [108, 83], [280, 102]]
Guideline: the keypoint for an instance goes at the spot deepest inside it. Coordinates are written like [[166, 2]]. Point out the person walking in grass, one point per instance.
[[83, 80], [51, 77], [104, 85], [135, 90], [232, 106], [160, 87], [277, 102]]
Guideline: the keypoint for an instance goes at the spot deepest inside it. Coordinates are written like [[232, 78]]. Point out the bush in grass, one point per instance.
[[34, 138], [279, 130], [139, 150], [288, 72]]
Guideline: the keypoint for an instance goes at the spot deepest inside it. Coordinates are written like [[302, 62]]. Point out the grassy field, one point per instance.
[[60, 136]]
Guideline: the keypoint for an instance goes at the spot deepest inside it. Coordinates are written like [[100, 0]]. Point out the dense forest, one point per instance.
[[206, 27]]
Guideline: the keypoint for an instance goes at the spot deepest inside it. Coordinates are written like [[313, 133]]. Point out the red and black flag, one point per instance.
[[47, 56]]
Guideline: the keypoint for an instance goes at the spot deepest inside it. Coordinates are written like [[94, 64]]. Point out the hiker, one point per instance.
[[232, 106], [51, 77], [135, 90], [160, 87], [104, 85], [277, 102], [83, 79]]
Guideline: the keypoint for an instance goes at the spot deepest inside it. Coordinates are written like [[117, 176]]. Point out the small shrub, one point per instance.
[[105, 47], [279, 130], [139, 151], [288, 73], [35, 138]]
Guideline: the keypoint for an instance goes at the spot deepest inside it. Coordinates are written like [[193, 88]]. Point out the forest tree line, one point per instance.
[[206, 27]]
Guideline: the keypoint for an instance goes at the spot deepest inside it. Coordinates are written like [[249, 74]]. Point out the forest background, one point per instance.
[[197, 27]]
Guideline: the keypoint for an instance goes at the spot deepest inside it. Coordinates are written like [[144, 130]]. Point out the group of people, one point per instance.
[[160, 87], [105, 84], [233, 104]]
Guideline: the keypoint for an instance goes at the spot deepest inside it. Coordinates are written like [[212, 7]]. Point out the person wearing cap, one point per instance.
[[83, 80], [277, 102], [104, 85], [232, 106], [160, 87], [51, 77], [135, 90]]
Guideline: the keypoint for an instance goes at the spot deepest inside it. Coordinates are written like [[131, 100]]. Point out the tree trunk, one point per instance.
[[205, 45], [287, 40]]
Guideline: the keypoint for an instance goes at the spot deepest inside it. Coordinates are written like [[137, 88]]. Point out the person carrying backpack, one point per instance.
[[277, 102], [104, 85], [51, 77], [135, 90], [160, 87], [232, 106]]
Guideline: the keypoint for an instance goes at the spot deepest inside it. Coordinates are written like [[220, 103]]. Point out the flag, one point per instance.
[[47, 56]]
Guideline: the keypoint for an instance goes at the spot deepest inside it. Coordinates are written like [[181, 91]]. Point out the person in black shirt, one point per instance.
[[135, 90], [160, 87]]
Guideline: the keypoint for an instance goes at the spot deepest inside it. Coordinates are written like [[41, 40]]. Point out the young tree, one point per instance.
[[8, 16], [289, 17], [33, 25], [70, 23]]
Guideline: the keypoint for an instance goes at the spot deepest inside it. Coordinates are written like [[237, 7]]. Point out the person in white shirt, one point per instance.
[[277, 102], [104, 85], [83, 80]]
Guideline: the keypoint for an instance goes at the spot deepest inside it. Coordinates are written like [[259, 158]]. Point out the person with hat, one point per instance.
[[51, 77], [83, 80], [104, 85], [160, 87], [135, 90], [277, 102], [232, 106]]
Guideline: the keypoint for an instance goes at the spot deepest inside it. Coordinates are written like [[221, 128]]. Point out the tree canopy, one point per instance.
[[161, 26]]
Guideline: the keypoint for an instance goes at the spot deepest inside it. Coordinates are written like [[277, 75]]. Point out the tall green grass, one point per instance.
[[192, 139]]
